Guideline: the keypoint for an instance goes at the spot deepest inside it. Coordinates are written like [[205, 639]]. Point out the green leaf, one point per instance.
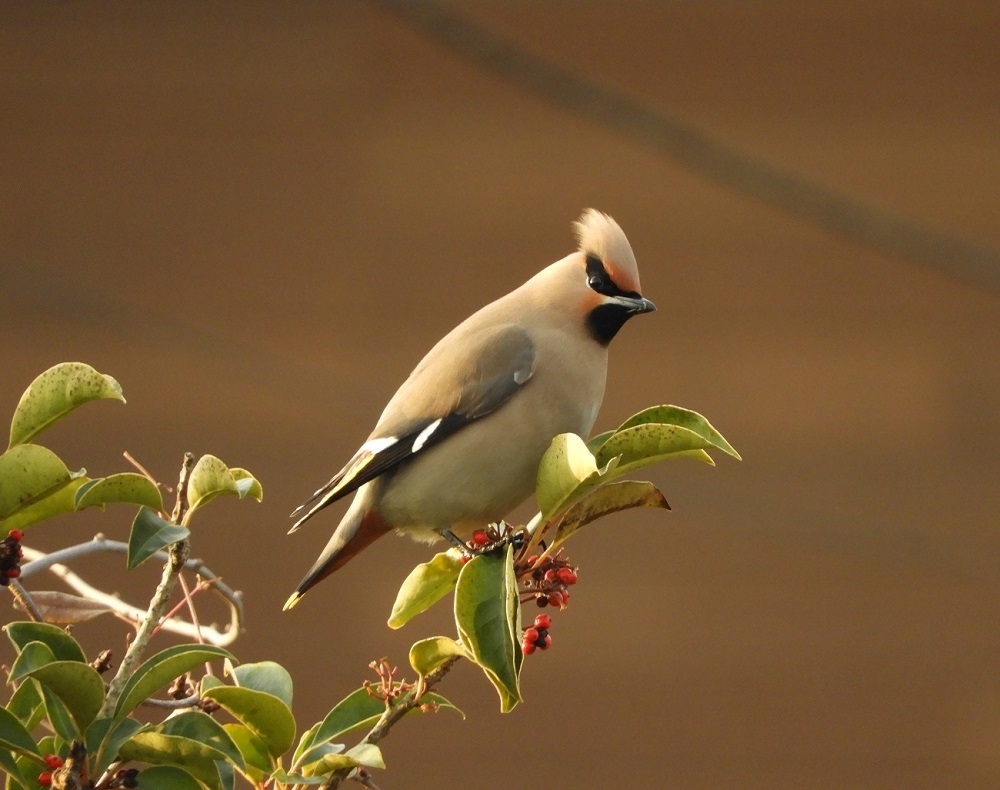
[[54, 394], [428, 654], [150, 533], [367, 754], [26, 704], [253, 750], [487, 607], [28, 474], [246, 484], [13, 735], [428, 583], [63, 646], [104, 738], [79, 686], [267, 676], [201, 727], [329, 764], [16, 780], [684, 418], [55, 504], [32, 656], [128, 487], [608, 498], [158, 748], [160, 669], [356, 710], [265, 714], [167, 777], [209, 479], [58, 715], [289, 778]]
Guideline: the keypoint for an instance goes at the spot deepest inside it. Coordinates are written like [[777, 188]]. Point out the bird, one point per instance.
[[458, 445]]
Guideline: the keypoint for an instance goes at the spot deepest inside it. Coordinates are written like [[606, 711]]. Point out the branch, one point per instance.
[[178, 555], [394, 713], [40, 561], [22, 597]]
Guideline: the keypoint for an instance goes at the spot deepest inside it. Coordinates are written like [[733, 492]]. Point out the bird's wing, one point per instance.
[[444, 393]]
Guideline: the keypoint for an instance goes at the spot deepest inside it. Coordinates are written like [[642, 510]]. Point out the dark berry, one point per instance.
[[543, 621], [541, 600], [544, 644]]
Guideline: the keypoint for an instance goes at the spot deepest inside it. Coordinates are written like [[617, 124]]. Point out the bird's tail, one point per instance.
[[360, 527]]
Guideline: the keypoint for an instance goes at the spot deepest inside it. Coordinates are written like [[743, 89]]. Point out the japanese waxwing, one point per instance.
[[458, 445]]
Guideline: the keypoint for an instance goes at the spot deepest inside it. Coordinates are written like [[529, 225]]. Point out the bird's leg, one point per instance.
[[451, 537]]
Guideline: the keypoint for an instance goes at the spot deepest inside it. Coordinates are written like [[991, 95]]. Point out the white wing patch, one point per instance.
[[424, 435]]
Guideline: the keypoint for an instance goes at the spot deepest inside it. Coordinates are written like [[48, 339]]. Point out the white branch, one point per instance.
[[40, 561]]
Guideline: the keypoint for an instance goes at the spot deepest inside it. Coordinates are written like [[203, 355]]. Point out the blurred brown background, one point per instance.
[[258, 218]]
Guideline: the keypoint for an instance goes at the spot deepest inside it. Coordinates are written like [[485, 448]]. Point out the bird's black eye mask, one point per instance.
[[599, 280]]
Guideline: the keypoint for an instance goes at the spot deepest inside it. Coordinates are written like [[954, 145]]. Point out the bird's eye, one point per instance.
[[596, 282]]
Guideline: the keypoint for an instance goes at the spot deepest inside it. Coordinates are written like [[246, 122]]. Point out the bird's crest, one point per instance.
[[598, 234]]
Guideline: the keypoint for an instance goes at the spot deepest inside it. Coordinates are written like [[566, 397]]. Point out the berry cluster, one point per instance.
[[537, 636], [10, 557], [550, 576], [53, 761]]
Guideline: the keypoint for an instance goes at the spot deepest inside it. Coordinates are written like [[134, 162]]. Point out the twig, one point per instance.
[[40, 561], [178, 554], [394, 713], [24, 598], [701, 152], [144, 471]]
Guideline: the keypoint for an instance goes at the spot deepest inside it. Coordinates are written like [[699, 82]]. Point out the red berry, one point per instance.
[[12, 573], [566, 575], [532, 559], [528, 648], [463, 559], [556, 598], [16, 534], [480, 538], [550, 575], [530, 634], [45, 779], [53, 761], [543, 621]]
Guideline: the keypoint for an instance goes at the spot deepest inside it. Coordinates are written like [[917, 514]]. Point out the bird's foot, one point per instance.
[[492, 540]]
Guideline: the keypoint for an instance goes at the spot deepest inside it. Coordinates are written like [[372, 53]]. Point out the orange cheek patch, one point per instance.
[[621, 277]]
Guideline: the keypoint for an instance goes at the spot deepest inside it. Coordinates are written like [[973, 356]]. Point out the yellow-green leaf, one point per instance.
[[246, 484], [127, 487], [427, 583], [428, 654], [608, 498], [28, 474], [54, 394], [209, 478]]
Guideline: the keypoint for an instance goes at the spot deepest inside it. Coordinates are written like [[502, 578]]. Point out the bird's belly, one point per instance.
[[476, 476]]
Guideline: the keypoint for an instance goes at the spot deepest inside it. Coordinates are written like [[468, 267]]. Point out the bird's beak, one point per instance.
[[635, 304]]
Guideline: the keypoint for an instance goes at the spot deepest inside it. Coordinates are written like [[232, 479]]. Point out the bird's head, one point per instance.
[[607, 278]]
